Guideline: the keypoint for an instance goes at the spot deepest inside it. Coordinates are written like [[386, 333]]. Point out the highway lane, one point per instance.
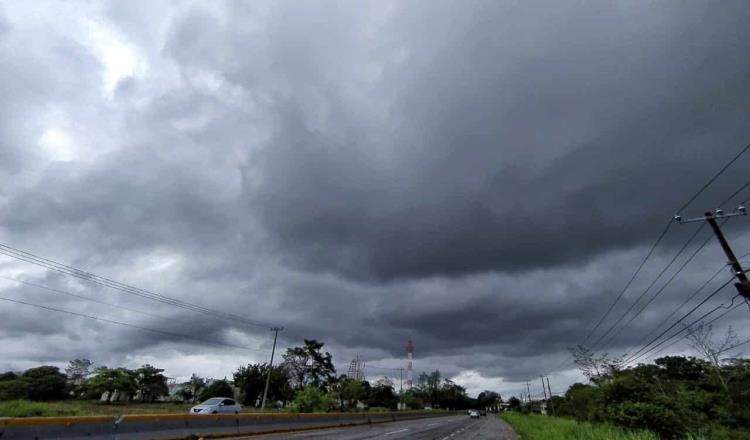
[[445, 428]]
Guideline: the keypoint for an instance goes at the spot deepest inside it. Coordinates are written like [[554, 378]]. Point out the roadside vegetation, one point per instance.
[[304, 381], [25, 408], [675, 397], [538, 427]]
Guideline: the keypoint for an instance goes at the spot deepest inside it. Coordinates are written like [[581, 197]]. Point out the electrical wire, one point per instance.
[[658, 292], [632, 306], [739, 344], [658, 240], [630, 281], [642, 353], [686, 301], [742, 188], [731, 309], [103, 281], [94, 300], [126, 324], [712, 179]]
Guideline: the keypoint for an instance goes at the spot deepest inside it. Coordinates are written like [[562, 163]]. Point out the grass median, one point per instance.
[[536, 427], [26, 408]]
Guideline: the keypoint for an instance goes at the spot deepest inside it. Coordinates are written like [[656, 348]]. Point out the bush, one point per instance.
[[46, 383], [649, 416], [312, 399], [14, 389]]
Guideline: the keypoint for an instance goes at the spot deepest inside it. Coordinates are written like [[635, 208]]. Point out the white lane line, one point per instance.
[[396, 432], [433, 424]]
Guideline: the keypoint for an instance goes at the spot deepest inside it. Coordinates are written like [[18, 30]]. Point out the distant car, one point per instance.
[[474, 414], [217, 405], [483, 413]]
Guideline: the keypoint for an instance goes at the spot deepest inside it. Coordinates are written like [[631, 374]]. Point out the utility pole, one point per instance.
[[401, 389], [551, 403], [544, 392], [270, 366], [528, 391], [743, 284]]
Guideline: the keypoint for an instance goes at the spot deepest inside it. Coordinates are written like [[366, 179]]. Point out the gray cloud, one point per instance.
[[482, 178]]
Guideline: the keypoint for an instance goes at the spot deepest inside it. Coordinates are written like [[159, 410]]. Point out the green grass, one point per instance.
[[536, 427], [25, 408]]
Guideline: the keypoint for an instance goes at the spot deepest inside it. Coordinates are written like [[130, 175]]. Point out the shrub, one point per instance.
[[649, 416], [312, 399], [45, 383], [14, 389]]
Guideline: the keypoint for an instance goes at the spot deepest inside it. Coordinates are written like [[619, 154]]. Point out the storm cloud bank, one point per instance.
[[482, 177]]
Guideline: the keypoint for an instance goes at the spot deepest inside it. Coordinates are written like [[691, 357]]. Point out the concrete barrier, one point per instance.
[[179, 426]]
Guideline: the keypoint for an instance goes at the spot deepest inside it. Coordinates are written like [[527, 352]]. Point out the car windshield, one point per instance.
[[214, 401]]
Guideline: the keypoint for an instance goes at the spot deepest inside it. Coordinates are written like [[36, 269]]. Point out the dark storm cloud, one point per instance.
[[507, 147], [481, 177]]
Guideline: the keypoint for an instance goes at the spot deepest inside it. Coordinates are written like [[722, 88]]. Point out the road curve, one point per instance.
[[445, 428]]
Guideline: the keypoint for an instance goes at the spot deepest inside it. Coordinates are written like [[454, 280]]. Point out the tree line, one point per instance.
[[675, 396], [305, 380]]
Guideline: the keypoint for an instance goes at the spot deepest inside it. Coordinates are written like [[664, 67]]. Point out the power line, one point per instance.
[[714, 293], [103, 281], [126, 324], [690, 298], [687, 300], [630, 281], [712, 179], [742, 188], [658, 292], [671, 262], [731, 309], [659, 239], [739, 344], [87, 298]]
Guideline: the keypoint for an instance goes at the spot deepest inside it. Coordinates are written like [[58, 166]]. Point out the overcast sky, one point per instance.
[[483, 177]]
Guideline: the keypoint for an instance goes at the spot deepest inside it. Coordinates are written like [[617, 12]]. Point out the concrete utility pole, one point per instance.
[[743, 284], [401, 389], [528, 391], [270, 365], [551, 404]]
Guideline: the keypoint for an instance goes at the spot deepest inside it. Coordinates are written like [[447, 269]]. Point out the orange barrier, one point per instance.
[[176, 426]]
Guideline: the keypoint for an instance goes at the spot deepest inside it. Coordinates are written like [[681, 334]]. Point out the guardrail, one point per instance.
[[181, 426]]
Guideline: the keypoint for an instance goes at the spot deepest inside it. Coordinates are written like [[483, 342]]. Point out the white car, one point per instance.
[[217, 405], [474, 414]]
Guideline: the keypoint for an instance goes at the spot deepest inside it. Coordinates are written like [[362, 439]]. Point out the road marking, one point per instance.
[[396, 432], [433, 424]]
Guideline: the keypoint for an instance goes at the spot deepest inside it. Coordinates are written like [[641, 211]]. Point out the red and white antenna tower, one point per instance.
[[409, 357]]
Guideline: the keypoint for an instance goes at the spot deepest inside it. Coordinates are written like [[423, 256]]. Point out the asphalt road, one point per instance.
[[443, 428]]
